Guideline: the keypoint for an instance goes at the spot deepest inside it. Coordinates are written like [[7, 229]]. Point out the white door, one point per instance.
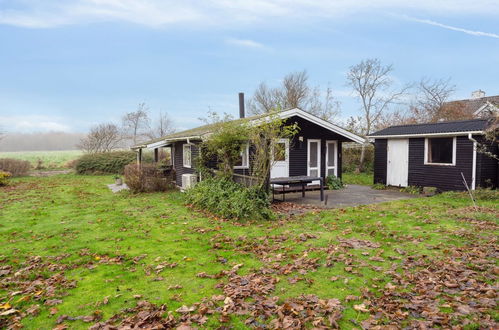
[[398, 162], [314, 159], [280, 159], [331, 158]]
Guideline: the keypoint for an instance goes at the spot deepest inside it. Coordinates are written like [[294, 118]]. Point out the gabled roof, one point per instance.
[[477, 126], [470, 106], [202, 132]]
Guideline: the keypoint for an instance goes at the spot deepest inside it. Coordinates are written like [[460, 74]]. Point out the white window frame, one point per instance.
[[184, 148], [440, 164], [245, 158]]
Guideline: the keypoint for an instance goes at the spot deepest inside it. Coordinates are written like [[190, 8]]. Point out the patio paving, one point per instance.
[[351, 195]]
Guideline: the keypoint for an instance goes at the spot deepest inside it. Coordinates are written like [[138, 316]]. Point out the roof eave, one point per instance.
[[424, 134]]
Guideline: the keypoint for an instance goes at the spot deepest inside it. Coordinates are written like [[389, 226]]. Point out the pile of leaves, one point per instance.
[[29, 285], [440, 292]]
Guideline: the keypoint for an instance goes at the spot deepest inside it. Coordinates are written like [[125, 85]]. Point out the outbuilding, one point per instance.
[[435, 155]]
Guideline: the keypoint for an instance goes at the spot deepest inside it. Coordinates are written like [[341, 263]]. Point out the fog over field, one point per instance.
[[40, 141]]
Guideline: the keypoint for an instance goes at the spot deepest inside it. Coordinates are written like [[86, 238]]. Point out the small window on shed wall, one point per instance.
[[187, 155], [440, 151]]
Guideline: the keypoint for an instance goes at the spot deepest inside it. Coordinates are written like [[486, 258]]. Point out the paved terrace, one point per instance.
[[351, 195]]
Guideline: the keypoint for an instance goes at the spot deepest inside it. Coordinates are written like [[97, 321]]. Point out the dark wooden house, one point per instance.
[[314, 151], [435, 155]]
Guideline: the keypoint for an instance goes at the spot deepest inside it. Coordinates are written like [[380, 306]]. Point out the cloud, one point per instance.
[[34, 123], [158, 13], [245, 43], [454, 28]]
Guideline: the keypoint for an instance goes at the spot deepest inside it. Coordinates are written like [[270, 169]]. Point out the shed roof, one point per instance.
[[460, 126]]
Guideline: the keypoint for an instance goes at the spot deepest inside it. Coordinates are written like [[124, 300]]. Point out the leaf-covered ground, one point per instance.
[[75, 255]]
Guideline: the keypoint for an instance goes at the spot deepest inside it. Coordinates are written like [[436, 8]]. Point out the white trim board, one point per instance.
[[423, 135]]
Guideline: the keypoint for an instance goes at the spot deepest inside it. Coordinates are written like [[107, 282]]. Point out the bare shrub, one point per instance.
[[146, 178], [16, 167], [101, 138]]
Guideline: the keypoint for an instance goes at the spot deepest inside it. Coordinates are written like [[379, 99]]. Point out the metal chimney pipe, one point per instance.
[[241, 105]]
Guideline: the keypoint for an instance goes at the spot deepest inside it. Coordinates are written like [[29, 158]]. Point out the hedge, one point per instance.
[[104, 163]]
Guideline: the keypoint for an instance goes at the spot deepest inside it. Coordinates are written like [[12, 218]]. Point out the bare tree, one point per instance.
[[323, 105], [136, 124], [101, 138], [294, 92], [371, 82], [429, 104], [163, 126]]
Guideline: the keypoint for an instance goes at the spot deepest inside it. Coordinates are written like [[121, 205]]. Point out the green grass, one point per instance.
[[357, 178], [50, 159], [79, 217]]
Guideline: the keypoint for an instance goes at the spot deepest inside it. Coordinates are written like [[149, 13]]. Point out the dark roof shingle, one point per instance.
[[432, 128]]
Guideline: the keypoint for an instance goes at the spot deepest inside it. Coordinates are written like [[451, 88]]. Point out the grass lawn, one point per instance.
[[74, 253], [49, 159], [358, 178]]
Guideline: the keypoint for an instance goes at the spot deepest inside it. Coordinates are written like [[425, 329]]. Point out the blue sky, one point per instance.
[[66, 65]]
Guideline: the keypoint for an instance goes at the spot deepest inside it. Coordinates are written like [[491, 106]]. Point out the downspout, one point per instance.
[[473, 174]]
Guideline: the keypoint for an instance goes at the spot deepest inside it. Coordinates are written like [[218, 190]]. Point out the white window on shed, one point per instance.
[[440, 151]]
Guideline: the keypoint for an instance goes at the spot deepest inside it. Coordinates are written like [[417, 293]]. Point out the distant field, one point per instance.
[[49, 159]]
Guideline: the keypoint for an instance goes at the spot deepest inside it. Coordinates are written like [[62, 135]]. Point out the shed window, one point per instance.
[[186, 153], [243, 162], [440, 151]]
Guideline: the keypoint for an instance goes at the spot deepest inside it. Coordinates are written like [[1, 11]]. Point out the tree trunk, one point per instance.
[[362, 158]]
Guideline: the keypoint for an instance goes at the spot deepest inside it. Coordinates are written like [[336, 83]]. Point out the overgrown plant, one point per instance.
[[227, 199], [225, 144], [264, 137], [4, 178], [333, 182], [146, 178]]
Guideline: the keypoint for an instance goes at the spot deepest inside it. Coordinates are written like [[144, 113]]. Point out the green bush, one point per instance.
[[379, 186], [104, 163], [227, 199], [333, 182], [412, 190], [4, 178], [486, 194], [16, 167]]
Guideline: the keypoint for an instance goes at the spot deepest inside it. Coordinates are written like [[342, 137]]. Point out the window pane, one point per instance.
[[280, 152], [243, 161], [314, 172], [440, 150], [330, 154], [313, 154], [330, 171]]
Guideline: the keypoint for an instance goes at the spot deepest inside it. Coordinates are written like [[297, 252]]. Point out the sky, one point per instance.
[[66, 65]]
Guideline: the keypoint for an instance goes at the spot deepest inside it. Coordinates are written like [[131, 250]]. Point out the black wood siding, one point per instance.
[[298, 149], [441, 177], [486, 167], [179, 160], [380, 160]]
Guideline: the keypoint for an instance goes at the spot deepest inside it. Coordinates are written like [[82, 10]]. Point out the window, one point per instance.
[[279, 152], [243, 162], [440, 151], [186, 153]]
